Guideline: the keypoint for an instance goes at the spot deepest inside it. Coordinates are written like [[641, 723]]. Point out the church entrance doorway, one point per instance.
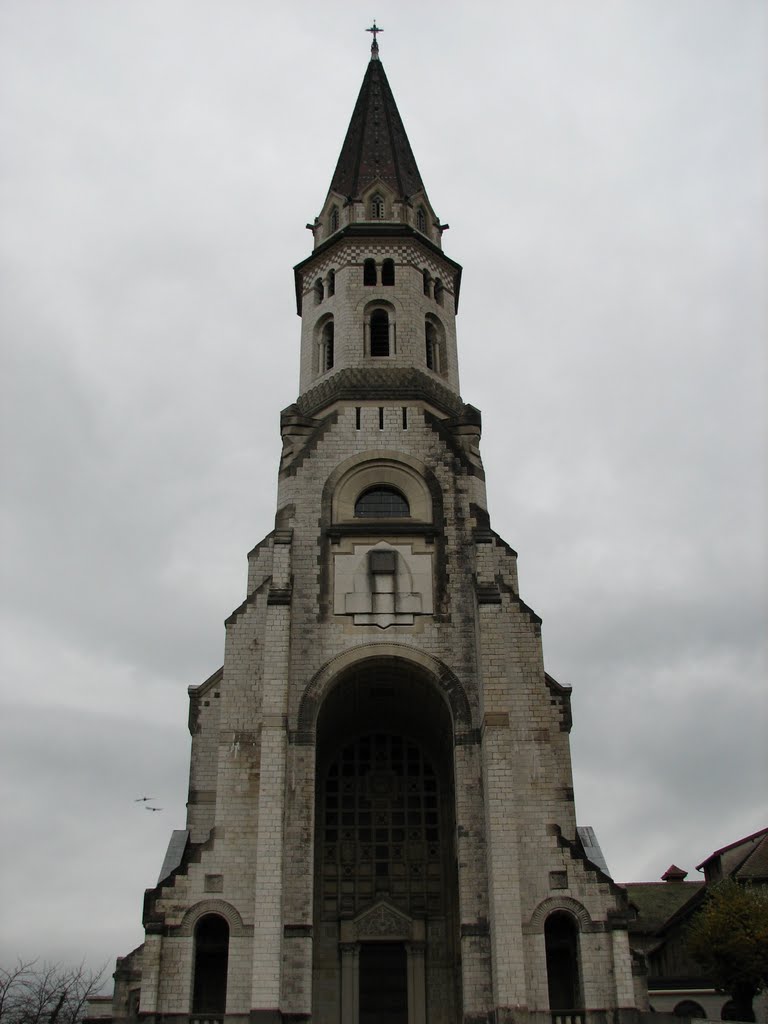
[[383, 984], [386, 943]]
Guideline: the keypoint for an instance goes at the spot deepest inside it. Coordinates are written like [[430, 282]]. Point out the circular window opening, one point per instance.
[[381, 502]]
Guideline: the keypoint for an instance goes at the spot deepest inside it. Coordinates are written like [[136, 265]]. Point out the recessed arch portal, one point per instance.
[[385, 827], [424, 666]]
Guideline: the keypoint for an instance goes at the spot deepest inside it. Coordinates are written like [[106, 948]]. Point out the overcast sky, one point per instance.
[[603, 169]]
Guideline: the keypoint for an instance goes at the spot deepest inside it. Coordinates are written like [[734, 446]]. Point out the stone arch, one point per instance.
[[220, 907], [412, 469], [561, 903], [446, 683], [382, 472]]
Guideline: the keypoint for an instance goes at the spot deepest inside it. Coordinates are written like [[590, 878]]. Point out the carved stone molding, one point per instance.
[[384, 922]]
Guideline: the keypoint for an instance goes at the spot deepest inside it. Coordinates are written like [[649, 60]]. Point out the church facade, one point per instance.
[[381, 822]]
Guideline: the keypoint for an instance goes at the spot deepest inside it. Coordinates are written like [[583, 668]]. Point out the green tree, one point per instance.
[[729, 938]]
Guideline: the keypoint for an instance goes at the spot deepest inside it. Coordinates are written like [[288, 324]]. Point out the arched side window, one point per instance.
[[689, 1008], [561, 938], [421, 219], [438, 291], [431, 345], [319, 292], [730, 1011], [381, 502], [326, 347], [209, 991], [379, 332], [331, 283], [388, 272], [377, 207], [369, 272], [426, 280], [334, 218]]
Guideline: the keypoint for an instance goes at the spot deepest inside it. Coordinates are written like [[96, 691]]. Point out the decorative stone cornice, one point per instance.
[[395, 383]]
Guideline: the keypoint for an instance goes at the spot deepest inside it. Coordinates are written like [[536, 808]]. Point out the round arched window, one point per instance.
[[381, 502]]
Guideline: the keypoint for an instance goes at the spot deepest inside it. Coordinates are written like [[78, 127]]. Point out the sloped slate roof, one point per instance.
[[656, 902], [755, 867], [757, 838], [376, 145]]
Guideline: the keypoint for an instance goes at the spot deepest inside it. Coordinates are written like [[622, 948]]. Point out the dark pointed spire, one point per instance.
[[376, 146]]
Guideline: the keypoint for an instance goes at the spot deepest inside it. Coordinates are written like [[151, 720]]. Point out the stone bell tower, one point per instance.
[[381, 823]]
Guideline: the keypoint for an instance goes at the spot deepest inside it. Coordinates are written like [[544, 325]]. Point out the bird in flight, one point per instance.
[[143, 799], [148, 808]]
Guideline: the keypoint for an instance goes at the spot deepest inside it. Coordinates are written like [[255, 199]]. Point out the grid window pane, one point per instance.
[[385, 783]]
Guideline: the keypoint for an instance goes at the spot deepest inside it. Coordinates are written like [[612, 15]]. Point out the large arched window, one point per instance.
[[379, 332], [561, 937], [381, 502], [369, 272], [388, 272], [209, 993]]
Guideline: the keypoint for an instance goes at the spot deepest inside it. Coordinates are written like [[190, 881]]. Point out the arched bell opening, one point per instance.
[[385, 845]]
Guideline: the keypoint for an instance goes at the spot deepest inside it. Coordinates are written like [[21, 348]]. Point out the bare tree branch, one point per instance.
[[33, 993]]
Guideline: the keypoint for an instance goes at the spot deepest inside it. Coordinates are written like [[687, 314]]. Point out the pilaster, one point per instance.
[[268, 890]]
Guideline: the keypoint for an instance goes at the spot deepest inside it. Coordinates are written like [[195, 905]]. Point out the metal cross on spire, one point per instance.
[[374, 29]]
